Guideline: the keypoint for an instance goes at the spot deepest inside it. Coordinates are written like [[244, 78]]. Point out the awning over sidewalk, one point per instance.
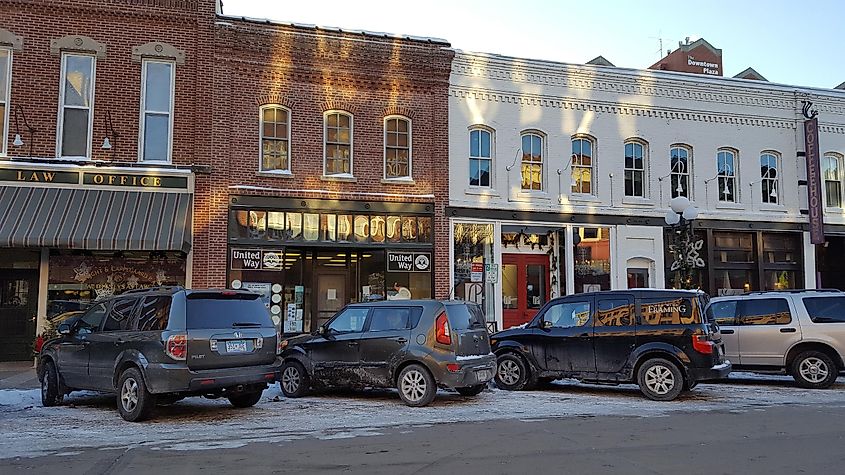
[[94, 219]]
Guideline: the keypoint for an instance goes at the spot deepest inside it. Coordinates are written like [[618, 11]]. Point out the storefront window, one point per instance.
[[475, 271], [780, 280], [592, 259], [781, 248], [734, 247], [734, 282], [311, 227]]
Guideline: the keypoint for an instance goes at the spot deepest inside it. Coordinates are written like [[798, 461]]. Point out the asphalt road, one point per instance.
[[786, 439]]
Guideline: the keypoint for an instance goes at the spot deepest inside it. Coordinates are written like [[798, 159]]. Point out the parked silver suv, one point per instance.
[[801, 333]]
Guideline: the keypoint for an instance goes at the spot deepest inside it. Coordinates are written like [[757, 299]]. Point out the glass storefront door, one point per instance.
[[18, 306], [525, 287]]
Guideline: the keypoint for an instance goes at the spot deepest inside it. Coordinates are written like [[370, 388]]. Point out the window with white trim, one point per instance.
[[726, 169], [769, 176], [5, 82], [157, 90], [680, 161], [582, 165], [338, 144], [397, 148], [275, 138], [635, 168], [832, 175], [532, 161], [76, 105], [480, 157]]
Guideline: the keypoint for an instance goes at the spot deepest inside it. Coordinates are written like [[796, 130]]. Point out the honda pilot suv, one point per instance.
[[415, 346], [658, 339], [161, 345], [801, 333]]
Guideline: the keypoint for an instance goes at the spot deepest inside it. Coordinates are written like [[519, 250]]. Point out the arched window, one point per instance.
[[635, 179], [397, 147], [275, 139], [727, 172], [532, 161], [582, 165], [680, 157], [338, 144], [769, 176], [480, 157], [832, 173]]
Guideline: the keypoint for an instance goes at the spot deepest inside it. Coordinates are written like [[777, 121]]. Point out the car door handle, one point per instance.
[[788, 330], [401, 340], [352, 343], [726, 332], [119, 341]]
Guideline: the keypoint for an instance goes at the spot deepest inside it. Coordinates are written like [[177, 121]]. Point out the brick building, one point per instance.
[[147, 142]]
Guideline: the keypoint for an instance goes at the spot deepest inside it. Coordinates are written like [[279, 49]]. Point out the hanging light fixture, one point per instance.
[[110, 132], [17, 142]]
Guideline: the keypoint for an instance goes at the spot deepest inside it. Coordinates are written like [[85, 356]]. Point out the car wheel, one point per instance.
[[416, 386], [246, 399], [50, 394], [814, 370], [512, 373], [660, 380], [471, 390], [294, 380], [134, 402]]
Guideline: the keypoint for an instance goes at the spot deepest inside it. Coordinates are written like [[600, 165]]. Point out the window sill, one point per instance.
[[834, 210], [774, 208], [639, 202], [398, 181], [724, 205], [531, 195], [275, 173], [342, 178], [582, 198], [482, 192]]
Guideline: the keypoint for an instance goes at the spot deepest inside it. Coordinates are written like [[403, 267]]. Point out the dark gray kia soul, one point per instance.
[[415, 346], [161, 345]]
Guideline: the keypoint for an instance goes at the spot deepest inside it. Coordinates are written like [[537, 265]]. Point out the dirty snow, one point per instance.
[[89, 420], [474, 357]]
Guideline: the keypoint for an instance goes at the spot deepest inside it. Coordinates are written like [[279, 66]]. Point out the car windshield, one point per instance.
[[220, 310]]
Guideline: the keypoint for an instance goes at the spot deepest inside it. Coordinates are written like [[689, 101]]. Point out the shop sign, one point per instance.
[[477, 272], [814, 190], [491, 271], [408, 261], [26, 175], [256, 259], [134, 180]]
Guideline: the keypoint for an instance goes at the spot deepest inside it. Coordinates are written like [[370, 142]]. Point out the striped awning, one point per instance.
[[94, 219]]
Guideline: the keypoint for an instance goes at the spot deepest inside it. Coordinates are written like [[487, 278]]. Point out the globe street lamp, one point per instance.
[[684, 246]]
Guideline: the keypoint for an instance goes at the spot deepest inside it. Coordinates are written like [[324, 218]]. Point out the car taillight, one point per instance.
[[702, 344], [280, 344], [442, 332], [177, 347]]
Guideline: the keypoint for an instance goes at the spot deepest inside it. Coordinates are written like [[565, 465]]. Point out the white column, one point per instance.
[[497, 288], [569, 252], [43, 280], [809, 262], [189, 269]]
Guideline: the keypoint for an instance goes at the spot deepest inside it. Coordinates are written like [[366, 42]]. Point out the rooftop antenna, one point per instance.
[[659, 39]]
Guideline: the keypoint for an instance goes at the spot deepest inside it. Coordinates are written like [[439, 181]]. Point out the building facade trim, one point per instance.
[[158, 50], [78, 43]]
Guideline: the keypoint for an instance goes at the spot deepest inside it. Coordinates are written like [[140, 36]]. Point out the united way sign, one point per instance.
[[256, 259], [408, 261]]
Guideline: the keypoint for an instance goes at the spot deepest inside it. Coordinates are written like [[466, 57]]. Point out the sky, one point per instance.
[[798, 42]]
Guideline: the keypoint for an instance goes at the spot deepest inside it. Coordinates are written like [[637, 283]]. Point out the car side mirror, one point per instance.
[[545, 324], [64, 329], [322, 330]]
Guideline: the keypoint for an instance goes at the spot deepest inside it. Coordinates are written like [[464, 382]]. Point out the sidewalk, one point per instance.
[[18, 375]]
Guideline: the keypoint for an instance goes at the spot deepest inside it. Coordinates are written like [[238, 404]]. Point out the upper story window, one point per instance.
[[480, 157], [5, 81], [397, 147], [832, 174], [769, 177], [275, 139], [582, 165], [680, 157], [157, 90], [76, 105], [338, 144], [532, 161], [726, 168], [635, 168]]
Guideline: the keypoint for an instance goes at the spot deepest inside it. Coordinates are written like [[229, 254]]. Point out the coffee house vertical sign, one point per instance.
[[814, 184]]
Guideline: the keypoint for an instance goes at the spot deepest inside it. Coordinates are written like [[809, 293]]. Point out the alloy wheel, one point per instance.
[[291, 379], [413, 385], [129, 394], [509, 372], [659, 379], [44, 388], [814, 370]]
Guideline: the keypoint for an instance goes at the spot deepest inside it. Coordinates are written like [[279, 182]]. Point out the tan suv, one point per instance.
[[801, 333]]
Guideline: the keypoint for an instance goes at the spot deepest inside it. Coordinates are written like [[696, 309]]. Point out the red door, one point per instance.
[[525, 287]]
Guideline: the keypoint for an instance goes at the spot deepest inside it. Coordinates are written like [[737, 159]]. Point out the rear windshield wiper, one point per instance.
[[246, 324]]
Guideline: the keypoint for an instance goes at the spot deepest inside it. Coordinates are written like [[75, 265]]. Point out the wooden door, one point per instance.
[[18, 307], [525, 287]]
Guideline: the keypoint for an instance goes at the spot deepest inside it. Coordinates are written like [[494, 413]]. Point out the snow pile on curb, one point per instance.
[[19, 398]]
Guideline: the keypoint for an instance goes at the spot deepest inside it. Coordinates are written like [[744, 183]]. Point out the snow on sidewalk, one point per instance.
[[91, 420]]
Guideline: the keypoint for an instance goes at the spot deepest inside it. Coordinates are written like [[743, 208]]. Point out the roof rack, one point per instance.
[[147, 289], [789, 291]]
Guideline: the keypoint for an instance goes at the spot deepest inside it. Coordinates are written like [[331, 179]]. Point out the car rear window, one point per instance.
[[826, 309], [465, 316], [219, 310], [669, 310]]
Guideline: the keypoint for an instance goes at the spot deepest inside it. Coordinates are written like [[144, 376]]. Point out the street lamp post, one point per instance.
[[684, 247]]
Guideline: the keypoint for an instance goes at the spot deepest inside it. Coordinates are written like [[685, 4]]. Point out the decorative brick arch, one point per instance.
[[398, 110], [274, 98], [158, 49], [338, 104], [7, 38]]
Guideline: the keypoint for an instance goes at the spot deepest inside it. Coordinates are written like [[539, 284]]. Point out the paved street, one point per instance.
[[741, 426]]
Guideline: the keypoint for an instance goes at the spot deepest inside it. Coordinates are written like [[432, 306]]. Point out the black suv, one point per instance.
[[161, 345], [658, 339], [415, 346]]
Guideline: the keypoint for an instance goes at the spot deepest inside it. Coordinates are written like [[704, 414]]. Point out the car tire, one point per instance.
[[416, 386], [470, 391], [814, 370], [513, 374], [246, 399], [660, 379], [134, 401], [294, 380], [51, 395]]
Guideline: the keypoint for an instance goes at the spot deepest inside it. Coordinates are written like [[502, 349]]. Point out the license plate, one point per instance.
[[236, 346], [483, 375]]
